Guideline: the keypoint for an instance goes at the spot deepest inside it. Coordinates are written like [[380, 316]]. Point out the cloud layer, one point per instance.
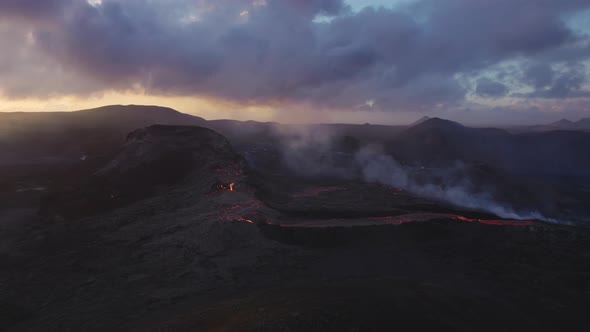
[[427, 55]]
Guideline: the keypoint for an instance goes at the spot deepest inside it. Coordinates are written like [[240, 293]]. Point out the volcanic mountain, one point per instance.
[[563, 123], [437, 142], [419, 121], [582, 124], [150, 162], [66, 136], [117, 117]]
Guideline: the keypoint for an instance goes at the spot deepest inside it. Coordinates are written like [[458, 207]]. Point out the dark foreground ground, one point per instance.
[[438, 275], [196, 256], [172, 272]]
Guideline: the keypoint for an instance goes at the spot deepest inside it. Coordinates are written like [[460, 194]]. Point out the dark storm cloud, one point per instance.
[[489, 88], [39, 11], [288, 50], [539, 75], [566, 85], [549, 83], [33, 9]]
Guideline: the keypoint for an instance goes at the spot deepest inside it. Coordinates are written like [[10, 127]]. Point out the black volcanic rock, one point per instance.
[[152, 158]]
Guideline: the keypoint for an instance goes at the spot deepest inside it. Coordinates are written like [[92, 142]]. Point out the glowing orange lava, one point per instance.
[[223, 187], [246, 220], [228, 175], [236, 212], [413, 217], [405, 218]]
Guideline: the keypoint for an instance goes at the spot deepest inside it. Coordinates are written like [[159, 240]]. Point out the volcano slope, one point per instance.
[[176, 233]]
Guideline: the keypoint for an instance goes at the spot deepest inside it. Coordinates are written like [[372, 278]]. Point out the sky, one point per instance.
[[476, 61]]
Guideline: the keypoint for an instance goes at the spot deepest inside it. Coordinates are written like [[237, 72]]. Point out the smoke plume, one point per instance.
[[310, 151]]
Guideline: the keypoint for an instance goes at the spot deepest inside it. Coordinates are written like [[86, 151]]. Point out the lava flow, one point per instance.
[[243, 212], [229, 174], [245, 220], [222, 187], [416, 217], [229, 187], [402, 219], [510, 222]]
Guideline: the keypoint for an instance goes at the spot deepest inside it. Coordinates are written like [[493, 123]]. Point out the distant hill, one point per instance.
[[563, 124], [243, 131], [54, 137], [419, 121], [249, 131], [582, 124], [33, 138], [58, 136], [113, 117], [441, 142]]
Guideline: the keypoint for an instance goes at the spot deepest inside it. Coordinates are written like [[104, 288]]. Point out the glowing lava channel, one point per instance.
[[402, 219], [416, 217]]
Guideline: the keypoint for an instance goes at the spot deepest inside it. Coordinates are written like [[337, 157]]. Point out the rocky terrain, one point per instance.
[[175, 231]]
